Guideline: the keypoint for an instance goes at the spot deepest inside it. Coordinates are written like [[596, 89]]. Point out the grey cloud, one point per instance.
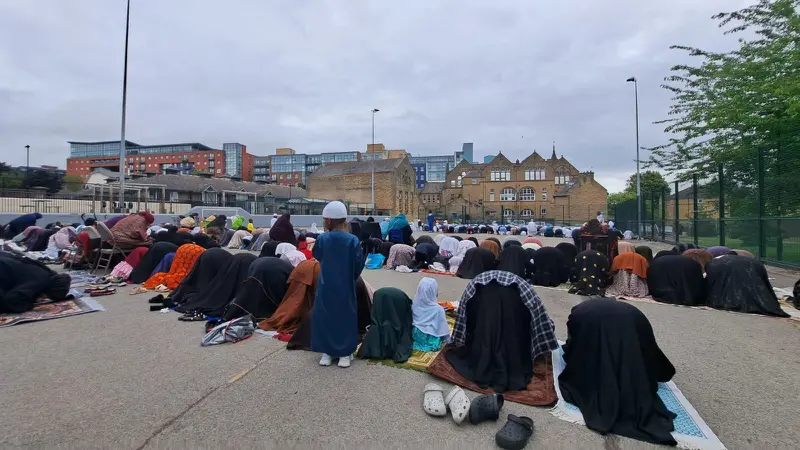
[[306, 74]]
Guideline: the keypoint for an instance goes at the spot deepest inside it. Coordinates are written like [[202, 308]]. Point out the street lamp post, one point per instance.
[[122, 153], [638, 176], [372, 160], [27, 158]]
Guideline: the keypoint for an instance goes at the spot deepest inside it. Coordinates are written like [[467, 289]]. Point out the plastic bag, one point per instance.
[[233, 330]]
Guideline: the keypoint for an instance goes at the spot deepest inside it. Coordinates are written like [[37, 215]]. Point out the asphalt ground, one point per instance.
[[127, 378]]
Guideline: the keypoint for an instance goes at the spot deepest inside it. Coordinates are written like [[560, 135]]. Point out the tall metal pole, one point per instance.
[[372, 160], [27, 158], [122, 153], [638, 175]]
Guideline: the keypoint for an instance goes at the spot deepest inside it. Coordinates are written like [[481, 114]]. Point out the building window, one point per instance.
[[544, 212], [459, 181], [474, 181], [452, 196], [526, 213], [219, 170], [527, 194], [500, 174], [452, 183], [508, 213], [544, 194], [562, 176], [534, 174], [508, 195], [491, 195]]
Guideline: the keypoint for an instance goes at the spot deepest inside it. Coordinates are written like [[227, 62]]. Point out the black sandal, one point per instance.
[[515, 433], [485, 407], [154, 308], [193, 317], [157, 299]]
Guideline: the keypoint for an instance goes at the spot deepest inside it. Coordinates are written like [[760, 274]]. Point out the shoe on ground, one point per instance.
[[325, 360], [344, 361]]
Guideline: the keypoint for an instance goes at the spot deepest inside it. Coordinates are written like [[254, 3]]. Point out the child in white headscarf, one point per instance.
[[430, 330]]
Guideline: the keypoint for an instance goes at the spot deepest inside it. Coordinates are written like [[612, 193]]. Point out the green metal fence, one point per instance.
[[752, 204]]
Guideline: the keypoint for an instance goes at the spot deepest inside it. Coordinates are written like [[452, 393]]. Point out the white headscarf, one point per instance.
[[448, 246], [458, 258], [428, 315], [284, 247], [628, 234], [273, 220], [293, 256], [314, 228], [532, 245], [438, 238]]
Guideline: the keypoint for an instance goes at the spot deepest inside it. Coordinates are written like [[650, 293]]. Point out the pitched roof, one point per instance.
[[192, 183], [356, 167], [433, 187]]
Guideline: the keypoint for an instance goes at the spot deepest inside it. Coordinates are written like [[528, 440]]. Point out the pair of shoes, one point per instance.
[[326, 360], [435, 403]]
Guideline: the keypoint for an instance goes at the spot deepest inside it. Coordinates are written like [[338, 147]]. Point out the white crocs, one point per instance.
[[458, 402], [433, 400]]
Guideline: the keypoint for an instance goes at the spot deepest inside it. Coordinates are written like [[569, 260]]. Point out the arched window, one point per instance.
[[527, 194], [526, 213], [508, 213], [508, 195], [562, 176]]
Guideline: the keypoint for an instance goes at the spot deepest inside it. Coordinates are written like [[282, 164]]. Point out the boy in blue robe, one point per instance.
[[334, 329]]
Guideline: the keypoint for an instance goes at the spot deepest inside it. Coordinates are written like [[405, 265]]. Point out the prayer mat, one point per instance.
[[540, 391], [419, 361], [52, 310], [560, 287], [691, 431], [436, 272]]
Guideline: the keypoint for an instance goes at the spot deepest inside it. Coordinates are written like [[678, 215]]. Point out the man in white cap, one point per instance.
[[335, 312], [273, 220]]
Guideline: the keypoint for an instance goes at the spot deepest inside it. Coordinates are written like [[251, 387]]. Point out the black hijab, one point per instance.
[[663, 253], [570, 251], [219, 222], [204, 240], [741, 283], [370, 230], [386, 247], [389, 335], [550, 267], [23, 280], [355, 228], [222, 289], [476, 261], [613, 367], [679, 249], [645, 251], [283, 231], [425, 239], [591, 273], [677, 280], [268, 249], [425, 253], [200, 278], [512, 259], [473, 239], [150, 261], [262, 291], [511, 242]]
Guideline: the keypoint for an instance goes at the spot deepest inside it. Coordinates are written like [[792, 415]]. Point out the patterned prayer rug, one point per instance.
[[691, 431], [419, 361], [540, 391], [52, 310]]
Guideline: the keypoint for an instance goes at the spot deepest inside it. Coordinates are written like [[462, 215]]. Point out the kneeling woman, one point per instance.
[[502, 326], [613, 367], [24, 280]]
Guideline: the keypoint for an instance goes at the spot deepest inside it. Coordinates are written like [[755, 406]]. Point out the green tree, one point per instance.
[[619, 197], [651, 182], [734, 105], [72, 183]]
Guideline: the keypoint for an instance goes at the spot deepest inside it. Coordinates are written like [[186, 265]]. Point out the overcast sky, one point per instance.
[[507, 75]]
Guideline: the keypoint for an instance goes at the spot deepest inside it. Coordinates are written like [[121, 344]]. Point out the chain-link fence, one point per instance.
[[751, 203]]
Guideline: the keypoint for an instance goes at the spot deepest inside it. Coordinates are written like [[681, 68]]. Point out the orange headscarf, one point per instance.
[[184, 260], [634, 262], [492, 246]]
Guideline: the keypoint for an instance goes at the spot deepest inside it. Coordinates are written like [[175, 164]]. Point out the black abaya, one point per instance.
[[150, 261], [24, 280], [262, 291], [512, 259], [222, 289], [550, 267], [476, 261], [269, 248], [426, 239], [741, 283], [570, 252], [497, 351], [613, 366], [645, 251], [591, 273], [511, 242], [676, 280], [206, 267], [424, 254]]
